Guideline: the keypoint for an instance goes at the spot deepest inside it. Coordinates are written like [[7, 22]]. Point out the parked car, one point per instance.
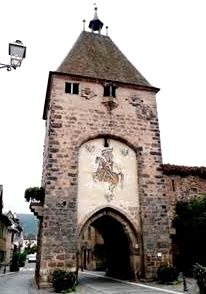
[[32, 257]]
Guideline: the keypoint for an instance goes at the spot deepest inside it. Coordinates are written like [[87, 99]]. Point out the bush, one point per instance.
[[167, 274], [18, 260], [22, 259], [190, 225], [200, 275], [63, 280], [15, 262]]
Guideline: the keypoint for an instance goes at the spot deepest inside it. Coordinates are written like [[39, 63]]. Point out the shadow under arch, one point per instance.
[[120, 242]]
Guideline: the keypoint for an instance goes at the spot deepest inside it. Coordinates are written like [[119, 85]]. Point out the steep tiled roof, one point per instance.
[[96, 56]]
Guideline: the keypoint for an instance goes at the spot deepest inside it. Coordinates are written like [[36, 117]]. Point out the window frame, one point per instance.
[[70, 88], [109, 90]]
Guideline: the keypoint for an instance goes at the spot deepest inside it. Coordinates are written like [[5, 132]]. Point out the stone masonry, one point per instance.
[[72, 120], [97, 95], [183, 183]]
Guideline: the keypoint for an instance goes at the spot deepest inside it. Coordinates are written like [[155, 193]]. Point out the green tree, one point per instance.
[[190, 224], [34, 193], [30, 249]]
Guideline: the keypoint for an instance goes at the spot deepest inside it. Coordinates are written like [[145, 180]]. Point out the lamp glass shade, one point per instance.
[[17, 51]]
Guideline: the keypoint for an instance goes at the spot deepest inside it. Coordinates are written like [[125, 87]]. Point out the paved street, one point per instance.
[[17, 282], [89, 283]]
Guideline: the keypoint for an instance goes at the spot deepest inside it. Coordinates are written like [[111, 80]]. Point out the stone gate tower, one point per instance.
[[102, 163]]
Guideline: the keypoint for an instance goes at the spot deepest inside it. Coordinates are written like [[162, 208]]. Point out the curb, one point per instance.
[[8, 274]]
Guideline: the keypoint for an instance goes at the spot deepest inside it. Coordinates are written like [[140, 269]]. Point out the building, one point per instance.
[[183, 183], [15, 238], [4, 232], [102, 164], [11, 236]]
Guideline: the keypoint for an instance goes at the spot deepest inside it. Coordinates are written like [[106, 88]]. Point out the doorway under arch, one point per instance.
[[109, 243]]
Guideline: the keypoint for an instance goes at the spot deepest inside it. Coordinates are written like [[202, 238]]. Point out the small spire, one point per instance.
[[84, 24], [95, 13], [96, 24], [107, 30]]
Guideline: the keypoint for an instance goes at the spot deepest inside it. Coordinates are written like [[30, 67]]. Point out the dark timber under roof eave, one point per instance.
[[51, 73], [48, 91]]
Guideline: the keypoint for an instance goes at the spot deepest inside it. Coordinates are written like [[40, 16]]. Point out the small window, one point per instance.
[[173, 185], [110, 90], [106, 143], [2, 254], [72, 88]]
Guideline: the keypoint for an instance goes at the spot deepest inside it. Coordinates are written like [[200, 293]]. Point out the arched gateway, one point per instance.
[[108, 208], [105, 205], [112, 244]]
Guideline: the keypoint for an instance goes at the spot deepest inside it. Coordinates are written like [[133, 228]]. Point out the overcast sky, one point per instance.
[[164, 39]]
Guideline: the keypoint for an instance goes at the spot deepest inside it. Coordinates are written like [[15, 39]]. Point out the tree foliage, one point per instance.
[[190, 224], [200, 275], [34, 194], [30, 249]]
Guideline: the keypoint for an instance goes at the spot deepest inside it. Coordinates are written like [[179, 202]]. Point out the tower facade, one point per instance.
[[102, 170]]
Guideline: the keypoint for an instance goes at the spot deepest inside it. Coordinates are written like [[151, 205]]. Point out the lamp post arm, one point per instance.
[[7, 66]]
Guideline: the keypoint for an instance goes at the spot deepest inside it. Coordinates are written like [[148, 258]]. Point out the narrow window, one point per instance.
[[109, 90], [72, 88], [106, 143], [75, 88], [68, 88], [2, 253], [173, 185]]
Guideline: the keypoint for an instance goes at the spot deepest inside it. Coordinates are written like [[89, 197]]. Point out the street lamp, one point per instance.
[[17, 51]]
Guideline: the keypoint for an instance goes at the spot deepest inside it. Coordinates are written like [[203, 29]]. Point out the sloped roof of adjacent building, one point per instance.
[[184, 171], [96, 56]]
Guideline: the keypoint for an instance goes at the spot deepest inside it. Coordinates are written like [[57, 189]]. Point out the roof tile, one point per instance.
[[96, 56]]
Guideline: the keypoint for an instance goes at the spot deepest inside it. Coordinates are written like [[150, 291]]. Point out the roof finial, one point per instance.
[[84, 24], [95, 12], [96, 24], [107, 31]]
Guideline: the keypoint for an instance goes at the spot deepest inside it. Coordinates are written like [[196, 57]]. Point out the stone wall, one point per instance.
[[73, 120], [183, 183]]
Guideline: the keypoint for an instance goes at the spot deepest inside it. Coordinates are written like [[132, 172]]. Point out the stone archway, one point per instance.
[[113, 245]]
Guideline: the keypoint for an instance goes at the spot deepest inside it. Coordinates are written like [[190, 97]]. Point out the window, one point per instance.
[[109, 90], [2, 253], [72, 88], [106, 142], [173, 185]]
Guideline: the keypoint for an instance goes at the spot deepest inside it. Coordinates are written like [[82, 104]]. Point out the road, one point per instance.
[[18, 283], [89, 283]]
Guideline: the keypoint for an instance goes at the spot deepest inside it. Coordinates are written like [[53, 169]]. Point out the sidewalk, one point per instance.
[[191, 286], [178, 288]]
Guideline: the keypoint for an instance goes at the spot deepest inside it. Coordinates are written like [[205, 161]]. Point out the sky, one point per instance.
[[165, 41]]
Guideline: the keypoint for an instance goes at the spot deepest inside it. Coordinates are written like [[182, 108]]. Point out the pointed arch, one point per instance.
[[121, 242], [128, 227]]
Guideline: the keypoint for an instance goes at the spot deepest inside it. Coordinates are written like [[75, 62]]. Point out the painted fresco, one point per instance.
[[107, 176], [105, 170]]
